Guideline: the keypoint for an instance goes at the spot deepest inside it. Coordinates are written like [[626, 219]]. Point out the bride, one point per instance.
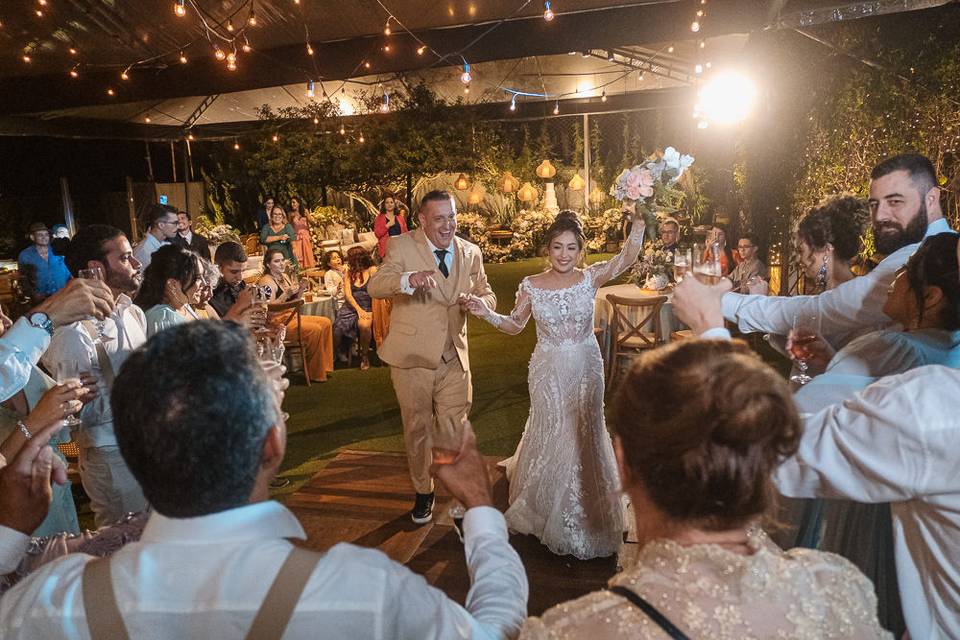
[[564, 487]]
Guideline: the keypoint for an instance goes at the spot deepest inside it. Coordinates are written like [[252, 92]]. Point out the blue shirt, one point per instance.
[[47, 276]]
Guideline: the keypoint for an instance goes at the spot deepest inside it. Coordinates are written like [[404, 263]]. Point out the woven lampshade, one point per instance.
[[577, 183], [546, 170], [527, 193], [508, 184], [461, 183]]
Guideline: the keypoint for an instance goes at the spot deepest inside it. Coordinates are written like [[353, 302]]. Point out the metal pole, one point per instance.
[[173, 161], [186, 179], [67, 206], [149, 160], [131, 209], [586, 162]]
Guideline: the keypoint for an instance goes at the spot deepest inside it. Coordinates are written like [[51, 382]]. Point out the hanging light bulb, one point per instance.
[[421, 49], [232, 63], [462, 183], [556, 108], [183, 58], [513, 103], [698, 69], [26, 58], [695, 27], [124, 75], [190, 137], [252, 18], [366, 65], [703, 43], [316, 120], [670, 49], [236, 146], [385, 107], [246, 45], [230, 26], [465, 77], [386, 48], [275, 137], [310, 89], [603, 96], [547, 12], [218, 53], [110, 92], [72, 51], [703, 124], [700, 13], [466, 88], [179, 8], [74, 73], [361, 140], [309, 49], [386, 28], [39, 13], [147, 119], [343, 130]]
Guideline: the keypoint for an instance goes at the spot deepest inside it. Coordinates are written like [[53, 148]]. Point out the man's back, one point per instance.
[[207, 577]]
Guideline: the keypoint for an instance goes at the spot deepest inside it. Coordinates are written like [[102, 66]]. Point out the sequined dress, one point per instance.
[[564, 486], [709, 592]]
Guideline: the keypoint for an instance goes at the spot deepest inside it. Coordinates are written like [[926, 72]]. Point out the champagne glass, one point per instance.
[[705, 267], [806, 329], [67, 371], [95, 273], [681, 262], [447, 440]]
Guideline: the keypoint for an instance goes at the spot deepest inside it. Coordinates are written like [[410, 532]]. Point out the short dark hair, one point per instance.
[[185, 213], [88, 244], [703, 424], [837, 220], [328, 255], [919, 167], [437, 195], [169, 261], [157, 212], [934, 264], [752, 237], [191, 410], [230, 252], [268, 256]]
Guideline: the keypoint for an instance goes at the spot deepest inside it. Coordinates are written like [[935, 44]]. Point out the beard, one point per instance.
[[128, 284], [899, 236]]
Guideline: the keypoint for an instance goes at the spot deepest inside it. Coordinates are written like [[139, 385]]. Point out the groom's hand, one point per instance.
[[698, 305], [466, 476], [422, 280]]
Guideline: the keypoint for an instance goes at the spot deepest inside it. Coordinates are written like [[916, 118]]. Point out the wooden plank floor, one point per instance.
[[364, 498]]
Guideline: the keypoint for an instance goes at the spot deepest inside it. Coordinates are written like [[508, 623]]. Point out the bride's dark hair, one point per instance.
[[565, 221]]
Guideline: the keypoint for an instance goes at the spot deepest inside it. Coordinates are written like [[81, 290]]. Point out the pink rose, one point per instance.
[[646, 192], [633, 179], [634, 192]]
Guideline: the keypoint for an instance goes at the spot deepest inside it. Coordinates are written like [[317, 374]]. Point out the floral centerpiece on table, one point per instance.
[[319, 218], [216, 234], [649, 186], [653, 269]]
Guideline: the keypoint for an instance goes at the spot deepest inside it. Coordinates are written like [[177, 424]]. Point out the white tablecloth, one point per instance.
[[603, 311]]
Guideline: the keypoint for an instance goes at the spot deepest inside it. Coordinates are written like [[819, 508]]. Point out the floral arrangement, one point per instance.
[[653, 269], [216, 234], [650, 185], [319, 218], [529, 231], [601, 226]]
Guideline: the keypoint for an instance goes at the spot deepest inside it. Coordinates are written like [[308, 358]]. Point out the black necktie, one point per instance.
[[441, 256]]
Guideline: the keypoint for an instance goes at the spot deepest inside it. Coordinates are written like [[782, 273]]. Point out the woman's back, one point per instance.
[[709, 592]]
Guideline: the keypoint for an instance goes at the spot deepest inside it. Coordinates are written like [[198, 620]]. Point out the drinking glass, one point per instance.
[[681, 262], [67, 371], [447, 440], [806, 329], [706, 268], [95, 273]]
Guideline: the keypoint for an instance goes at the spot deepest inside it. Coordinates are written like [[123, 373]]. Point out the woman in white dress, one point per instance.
[[564, 487]]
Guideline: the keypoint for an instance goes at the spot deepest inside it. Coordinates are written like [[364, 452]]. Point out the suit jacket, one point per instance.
[[198, 244], [421, 323]]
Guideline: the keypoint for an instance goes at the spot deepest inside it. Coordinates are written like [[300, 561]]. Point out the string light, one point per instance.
[[703, 44], [147, 119], [465, 77], [513, 103], [246, 45], [124, 75], [231, 61], [26, 58], [316, 120], [366, 65], [72, 51], [39, 13], [421, 49], [252, 18], [386, 48], [386, 27], [343, 130], [466, 88], [236, 146], [309, 49], [179, 8], [556, 108], [230, 26], [698, 69], [547, 12], [275, 137], [218, 53], [695, 26], [610, 56], [183, 58], [110, 92], [361, 140], [74, 73], [190, 137], [670, 49], [42, 3], [310, 89], [603, 96], [700, 13]]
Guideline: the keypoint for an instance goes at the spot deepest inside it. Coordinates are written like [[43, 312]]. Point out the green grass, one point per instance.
[[358, 409]]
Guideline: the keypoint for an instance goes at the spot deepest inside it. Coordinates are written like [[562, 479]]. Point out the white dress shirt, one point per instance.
[[846, 311], [447, 260], [144, 250], [897, 441], [20, 348], [206, 578], [333, 285], [126, 330]]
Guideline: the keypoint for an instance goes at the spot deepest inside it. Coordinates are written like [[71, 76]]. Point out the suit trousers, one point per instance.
[[113, 490], [434, 403]]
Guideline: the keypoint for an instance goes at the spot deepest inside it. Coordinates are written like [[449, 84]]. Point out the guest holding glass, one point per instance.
[[171, 284], [333, 277], [279, 235], [717, 236], [316, 331], [302, 241], [750, 266], [700, 426], [356, 316], [390, 222]]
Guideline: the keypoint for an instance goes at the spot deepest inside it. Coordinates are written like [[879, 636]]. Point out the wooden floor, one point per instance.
[[364, 498]]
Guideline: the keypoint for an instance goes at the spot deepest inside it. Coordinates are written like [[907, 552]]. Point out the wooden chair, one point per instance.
[[286, 311], [629, 338], [251, 244], [682, 334], [314, 276]]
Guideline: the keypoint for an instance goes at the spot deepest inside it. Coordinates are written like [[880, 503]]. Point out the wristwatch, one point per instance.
[[40, 320]]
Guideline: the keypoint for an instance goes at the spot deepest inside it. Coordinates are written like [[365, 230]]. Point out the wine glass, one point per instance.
[[806, 329], [67, 371], [96, 273]]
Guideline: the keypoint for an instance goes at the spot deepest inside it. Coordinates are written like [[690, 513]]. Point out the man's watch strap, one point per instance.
[[40, 320]]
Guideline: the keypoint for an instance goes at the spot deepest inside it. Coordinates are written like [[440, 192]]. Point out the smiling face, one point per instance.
[[563, 252], [276, 264], [899, 211], [277, 217], [438, 219]]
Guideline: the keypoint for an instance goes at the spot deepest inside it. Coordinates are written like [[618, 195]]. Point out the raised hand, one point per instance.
[[698, 305], [465, 477], [81, 299]]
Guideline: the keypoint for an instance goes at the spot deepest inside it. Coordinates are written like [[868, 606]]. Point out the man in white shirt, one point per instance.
[[905, 205], [897, 441], [106, 478], [215, 543], [163, 221]]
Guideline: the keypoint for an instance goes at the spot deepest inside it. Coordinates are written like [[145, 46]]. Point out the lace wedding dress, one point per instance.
[[564, 486]]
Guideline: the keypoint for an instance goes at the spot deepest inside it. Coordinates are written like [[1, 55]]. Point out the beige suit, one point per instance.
[[426, 347]]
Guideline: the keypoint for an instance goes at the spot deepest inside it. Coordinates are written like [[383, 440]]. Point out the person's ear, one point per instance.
[[274, 448], [932, 198], [932, 298]]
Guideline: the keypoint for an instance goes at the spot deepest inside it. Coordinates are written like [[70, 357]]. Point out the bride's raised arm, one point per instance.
[[511, 324], [601, 272]]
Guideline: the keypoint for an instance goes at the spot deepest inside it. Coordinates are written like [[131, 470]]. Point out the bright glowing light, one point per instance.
[[147, 119], [72, 51], [183, 58], [74, 73], [698, 69], [727, 97], [309, 49], [179, 9], [603, 96], [670, 49], [361, 140], [513, 103], [556, 108], [343, 130], [219, 54], [584, 87], [465, 77], [421, 49], [110, 92], [695, 26], [252, 20], [124, 75], [547, 12], [230, 26], [275, 137], [346, 108]]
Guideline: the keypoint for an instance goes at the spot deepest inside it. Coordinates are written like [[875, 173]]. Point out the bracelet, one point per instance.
[[23, 429], [493, 318]]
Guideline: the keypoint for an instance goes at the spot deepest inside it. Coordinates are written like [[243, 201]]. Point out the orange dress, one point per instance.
[[303, 244], [316, 333]]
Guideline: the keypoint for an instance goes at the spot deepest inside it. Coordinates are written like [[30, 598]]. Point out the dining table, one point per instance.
[[603, 312], [319, 305]]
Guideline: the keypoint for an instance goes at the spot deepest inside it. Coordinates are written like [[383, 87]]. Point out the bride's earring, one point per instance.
[[822, 274]]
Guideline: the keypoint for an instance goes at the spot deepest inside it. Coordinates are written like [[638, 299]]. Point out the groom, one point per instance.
[[425, 272]]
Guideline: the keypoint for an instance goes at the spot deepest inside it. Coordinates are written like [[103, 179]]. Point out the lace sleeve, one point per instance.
[[601, 272], [517, 320]]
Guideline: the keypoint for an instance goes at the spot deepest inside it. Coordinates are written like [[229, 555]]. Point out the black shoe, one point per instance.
[[422, 509]]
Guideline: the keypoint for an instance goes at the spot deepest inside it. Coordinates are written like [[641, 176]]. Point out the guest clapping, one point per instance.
[[171, 284], [356, 316], [279, 235], [700, 427]]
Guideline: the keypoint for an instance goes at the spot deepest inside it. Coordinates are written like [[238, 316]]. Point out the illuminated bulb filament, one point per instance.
[[547, 12], [695, 27], [465, 77], [183, 58], [421, 49], [179, 9], [219, 54]]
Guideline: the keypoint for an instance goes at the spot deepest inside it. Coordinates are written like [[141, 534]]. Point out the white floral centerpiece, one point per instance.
[[653, 269], [649, 186], [218, 234]]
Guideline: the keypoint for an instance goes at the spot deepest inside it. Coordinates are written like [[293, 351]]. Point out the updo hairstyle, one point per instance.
[[703, 424], [837, 220], [566, 220]]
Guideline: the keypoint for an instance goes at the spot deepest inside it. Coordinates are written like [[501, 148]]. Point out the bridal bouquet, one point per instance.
[[652, 270], [649, 185]]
